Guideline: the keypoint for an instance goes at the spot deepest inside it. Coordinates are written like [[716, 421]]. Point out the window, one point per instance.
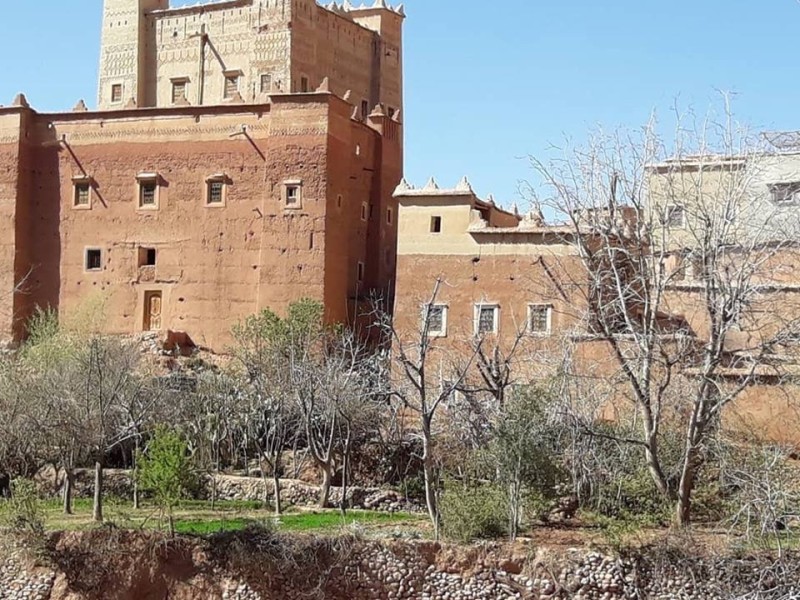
[[436, 224], [293, 194], [147, 193], [485, 319], [436, 316], [94, 259], [389, 216], [304, 84], [178, 91], [215, 190], [147, 257], [266, 83], [364, 211], [83, 194], [116, 93], [391, 112], [360, 272], [231, 85], [364, 109], [339, 201], [675, 216], [540, 318], [785, 193]]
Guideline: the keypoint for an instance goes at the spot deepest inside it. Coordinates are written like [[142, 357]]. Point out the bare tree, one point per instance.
[[679, 246], [423, 380]]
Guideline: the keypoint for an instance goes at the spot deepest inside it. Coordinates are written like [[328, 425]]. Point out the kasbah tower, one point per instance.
[[243, 155]]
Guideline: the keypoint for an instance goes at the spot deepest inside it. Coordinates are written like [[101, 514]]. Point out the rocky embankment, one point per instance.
[[115, 565]]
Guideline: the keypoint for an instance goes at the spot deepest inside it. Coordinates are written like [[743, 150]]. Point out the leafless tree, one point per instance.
[[424, 378], [681, 246]]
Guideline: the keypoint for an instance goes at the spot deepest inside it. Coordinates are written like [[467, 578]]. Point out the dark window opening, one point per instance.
[[304, 84], [116, 92], [360, 272], [292, 195], [94, 260], [147, 257], [365, 108], [147, 193], [436, 224]]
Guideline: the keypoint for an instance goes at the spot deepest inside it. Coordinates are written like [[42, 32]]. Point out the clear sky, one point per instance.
[[489, 82]]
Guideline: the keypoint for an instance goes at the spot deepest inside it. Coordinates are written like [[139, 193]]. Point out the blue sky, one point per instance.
[[488, 83]]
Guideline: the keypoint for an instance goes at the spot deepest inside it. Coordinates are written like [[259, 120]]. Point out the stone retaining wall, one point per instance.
[[372, 570]]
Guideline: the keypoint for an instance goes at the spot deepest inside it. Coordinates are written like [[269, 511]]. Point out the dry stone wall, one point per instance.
[[372, 570]]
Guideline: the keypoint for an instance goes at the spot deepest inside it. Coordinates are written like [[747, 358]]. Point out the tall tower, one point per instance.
[[124, 52]]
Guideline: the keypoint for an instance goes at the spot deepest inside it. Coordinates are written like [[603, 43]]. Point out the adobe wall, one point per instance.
[[11, 123], [215, 264]]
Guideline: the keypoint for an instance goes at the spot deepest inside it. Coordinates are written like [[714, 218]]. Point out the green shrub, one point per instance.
[[23, 511], [473, 512]]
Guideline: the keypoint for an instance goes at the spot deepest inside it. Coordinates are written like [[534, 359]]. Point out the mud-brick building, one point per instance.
[[243, 155], [516, 281]]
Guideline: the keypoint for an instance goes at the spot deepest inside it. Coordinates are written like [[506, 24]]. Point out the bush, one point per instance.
[[473, 512], [23, 512]]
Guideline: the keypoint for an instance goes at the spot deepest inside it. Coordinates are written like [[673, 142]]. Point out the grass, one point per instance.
[[316, 522], [197, 517]]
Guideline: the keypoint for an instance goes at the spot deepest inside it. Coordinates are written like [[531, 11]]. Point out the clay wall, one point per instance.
[[11, 123], [215, 264]]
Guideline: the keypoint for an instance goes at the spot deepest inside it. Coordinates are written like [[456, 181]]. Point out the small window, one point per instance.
[[147, 257], [391, 112], [231, 86], [436, 224], [436, 317], [364, 211], [675, 216], [94, 259], [485, 319], [365, 108], [215, 192], [304, 85], [339, 201], [292, 195], [785, 193], [539, 318], [147, 193], [389, 216], [266, 83], [178, 91], [360, 272], [116, 93], [83, 194]]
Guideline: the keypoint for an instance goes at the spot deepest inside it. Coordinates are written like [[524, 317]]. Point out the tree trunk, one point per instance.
[[171, 521], [97, 510], [134, 464], [345, 467], [69, 478], [325, 492], [430, 489], [276, 482]]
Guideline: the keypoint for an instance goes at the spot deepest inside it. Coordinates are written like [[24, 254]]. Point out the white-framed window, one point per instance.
[[93, 259], [486, 318], [265, 83], [675, 216], [436, 317], [293, 194], [785, 194], [116, 93], [232, 79], [540, 319], [216, 189], [147, 191], [179, 85], [82, 192]]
